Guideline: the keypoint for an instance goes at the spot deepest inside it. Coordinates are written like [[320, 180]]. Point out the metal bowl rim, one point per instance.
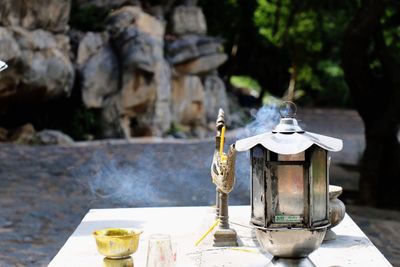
[[131, 232]]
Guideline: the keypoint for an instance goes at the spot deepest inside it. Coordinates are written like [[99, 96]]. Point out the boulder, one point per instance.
[[3, 135], [188, 100], [215, 97], [34, 14], [145, 102], [98, 67], [53, 137], [10, 52], [192, 47], [111, 125], [137, 93], [138, 38], [188, 20], [201, 65], [139, 50], [142, 102], [162, 108], [99, 77], [89, 45], [45, 70], [127, 16], [24, 134], [39, 65], [107, 3]]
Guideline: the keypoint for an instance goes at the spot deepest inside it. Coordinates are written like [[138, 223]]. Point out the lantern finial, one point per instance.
[[288, 109], [288, 124]]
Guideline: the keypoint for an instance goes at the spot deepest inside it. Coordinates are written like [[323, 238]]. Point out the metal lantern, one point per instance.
[[289, 187]]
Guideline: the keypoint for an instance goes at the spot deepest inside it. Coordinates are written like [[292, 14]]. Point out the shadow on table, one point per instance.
[[279, 262], [88, 227], [347, 241]]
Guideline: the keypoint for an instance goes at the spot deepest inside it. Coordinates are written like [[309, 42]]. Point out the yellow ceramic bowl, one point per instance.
[[117, 242]]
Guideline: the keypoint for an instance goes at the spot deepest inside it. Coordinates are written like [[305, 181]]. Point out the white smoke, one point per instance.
[[264, 120]]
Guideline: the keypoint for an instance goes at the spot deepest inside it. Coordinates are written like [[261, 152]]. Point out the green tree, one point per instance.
[[311, 32], [370, 55], [331, 50]]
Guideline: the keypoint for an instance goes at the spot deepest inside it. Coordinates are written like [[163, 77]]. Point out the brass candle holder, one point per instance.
[[223, 176]]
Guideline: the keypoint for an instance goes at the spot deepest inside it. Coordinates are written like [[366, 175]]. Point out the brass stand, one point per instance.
[[217, 203], [223, 176], [224, 236]]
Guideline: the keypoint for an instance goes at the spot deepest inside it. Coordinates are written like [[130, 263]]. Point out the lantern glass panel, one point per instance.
[[290, 190], [319, 186]]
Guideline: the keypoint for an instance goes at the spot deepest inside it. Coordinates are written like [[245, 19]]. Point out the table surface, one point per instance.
[[187, 224]]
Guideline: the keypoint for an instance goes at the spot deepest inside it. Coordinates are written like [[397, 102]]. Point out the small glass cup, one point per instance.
[[161, 252]]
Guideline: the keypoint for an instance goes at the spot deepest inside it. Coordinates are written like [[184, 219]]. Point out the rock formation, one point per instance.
[[34, 45], [144, 73]]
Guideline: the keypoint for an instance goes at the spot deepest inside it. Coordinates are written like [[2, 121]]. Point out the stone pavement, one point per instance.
[[46, 190]]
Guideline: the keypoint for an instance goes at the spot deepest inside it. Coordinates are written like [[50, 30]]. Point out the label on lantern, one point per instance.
[[288, 218]]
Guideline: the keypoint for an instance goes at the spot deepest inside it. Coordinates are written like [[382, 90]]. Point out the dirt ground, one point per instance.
[[46, 190]]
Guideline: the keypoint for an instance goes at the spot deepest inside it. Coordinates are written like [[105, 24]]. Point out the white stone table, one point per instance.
[[187, 224]]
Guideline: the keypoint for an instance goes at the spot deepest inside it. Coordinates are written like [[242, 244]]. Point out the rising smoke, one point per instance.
[[167, 174], [264, 120]]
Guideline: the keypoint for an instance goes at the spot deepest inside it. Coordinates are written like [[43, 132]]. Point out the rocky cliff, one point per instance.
[[149, 68]]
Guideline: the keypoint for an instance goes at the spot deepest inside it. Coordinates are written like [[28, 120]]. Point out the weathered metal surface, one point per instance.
[[291, 243]]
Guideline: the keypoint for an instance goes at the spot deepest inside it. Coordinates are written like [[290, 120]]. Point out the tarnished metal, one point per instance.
[[290, 243]]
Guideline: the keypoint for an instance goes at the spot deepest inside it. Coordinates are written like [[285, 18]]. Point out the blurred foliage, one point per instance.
[[311, 31], [300, 38], [85, 124], [391, 30], [246, 82]]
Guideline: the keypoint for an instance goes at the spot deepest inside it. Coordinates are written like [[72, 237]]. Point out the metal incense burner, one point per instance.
[[289, 186]]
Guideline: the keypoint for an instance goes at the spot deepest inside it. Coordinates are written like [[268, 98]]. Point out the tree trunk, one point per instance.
[[376, 97]]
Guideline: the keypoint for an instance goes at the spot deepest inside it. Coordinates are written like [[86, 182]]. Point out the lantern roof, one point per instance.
[[289, 138]]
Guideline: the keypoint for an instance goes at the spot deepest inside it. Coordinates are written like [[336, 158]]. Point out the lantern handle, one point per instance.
[[288, 109]]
